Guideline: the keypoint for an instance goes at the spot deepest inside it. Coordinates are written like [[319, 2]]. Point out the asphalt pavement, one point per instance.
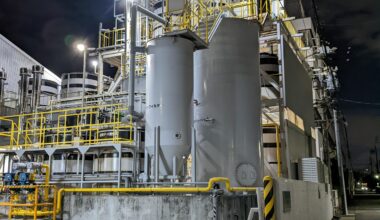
[[365, 206]]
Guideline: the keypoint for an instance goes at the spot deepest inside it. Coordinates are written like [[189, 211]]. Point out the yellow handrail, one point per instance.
[[55, 135]]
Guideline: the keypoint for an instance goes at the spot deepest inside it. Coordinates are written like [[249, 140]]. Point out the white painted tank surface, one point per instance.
[[49, 90], [169, 99], [72, 84], [108, 162], [227, 112], [68, 164]]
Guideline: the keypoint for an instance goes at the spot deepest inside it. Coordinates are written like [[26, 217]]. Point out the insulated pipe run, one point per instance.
[[133, 48]]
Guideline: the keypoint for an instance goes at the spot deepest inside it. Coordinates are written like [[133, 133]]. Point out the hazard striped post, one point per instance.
[[268, 199]]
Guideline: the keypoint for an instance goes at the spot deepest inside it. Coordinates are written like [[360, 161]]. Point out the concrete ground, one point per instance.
[[365, 206]]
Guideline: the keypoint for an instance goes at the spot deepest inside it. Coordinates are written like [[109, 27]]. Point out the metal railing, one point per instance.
[[111, 38], [87, 125], [36, 201]]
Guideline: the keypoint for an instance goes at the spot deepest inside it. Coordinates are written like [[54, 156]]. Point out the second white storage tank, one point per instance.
[[227, 115]]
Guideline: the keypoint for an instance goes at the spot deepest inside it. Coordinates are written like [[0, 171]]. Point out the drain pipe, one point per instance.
[[134, 49]]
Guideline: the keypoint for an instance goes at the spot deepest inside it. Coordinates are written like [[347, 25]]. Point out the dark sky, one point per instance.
[[353, 27], [47, 29]]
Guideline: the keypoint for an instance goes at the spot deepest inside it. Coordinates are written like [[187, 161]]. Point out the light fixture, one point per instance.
[[94, 63], [81, 47]]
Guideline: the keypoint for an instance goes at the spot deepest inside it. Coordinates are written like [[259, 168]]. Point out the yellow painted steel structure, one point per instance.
[[278, 146], [37, 133], [206, 189], [33, 206]]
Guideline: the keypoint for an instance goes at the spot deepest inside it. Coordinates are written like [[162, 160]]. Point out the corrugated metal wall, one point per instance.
[[12, 59]]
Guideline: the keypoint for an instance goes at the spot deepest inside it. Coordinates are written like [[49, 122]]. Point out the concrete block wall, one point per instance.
[[155, 207], [311, 201]]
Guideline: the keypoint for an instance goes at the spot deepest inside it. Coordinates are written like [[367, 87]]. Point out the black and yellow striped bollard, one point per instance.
[[268, 199]]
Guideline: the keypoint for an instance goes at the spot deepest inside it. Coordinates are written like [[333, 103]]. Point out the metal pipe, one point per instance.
[[150, 14], [132, 59], [174, 167], [84, 73], [119, 168], [340, 162], [47, 173], [193, 156], [23, 88], [133, 47], [207, 189], [100, 74], [156, 153], [37, 72], [82, 172], [3, 77], [146, 164], [125, 55]]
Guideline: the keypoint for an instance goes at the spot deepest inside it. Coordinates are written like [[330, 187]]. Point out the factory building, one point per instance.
[[218, 110], [12, 59]]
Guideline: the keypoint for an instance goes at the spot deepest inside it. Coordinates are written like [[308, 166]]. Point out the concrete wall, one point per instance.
[[308, 200], [151, 207]]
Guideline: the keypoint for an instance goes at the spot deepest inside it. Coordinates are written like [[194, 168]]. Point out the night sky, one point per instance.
[[353, 27], [47, 30]]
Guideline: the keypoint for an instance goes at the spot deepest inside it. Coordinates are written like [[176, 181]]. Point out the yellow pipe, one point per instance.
[[207, 189], [47, 173], [47, 178], [278, 148]]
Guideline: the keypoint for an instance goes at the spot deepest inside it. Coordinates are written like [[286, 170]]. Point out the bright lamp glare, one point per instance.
[[81, 47], [94, 63]]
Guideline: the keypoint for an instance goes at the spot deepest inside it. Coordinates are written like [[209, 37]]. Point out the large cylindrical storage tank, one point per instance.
[[227, 114], [169, 100], [49, 91], [72, 84]]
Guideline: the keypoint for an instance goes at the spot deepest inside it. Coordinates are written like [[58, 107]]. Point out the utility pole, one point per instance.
[[340, 162], [376, 156]]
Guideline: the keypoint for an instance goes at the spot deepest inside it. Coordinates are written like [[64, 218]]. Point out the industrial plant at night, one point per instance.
[[220, 110]]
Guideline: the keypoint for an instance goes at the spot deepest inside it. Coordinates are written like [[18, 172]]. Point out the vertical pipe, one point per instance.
[[174, 167], [3, 77], [100, 35], [119, 169], [340, 162], [125, 55], [156, 153], [193, 156], [82, 172], [260, 200], [37, 72], [78, 162], [100, 74], [132, 56], [23, 89], [84, 74], [146, 164]]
